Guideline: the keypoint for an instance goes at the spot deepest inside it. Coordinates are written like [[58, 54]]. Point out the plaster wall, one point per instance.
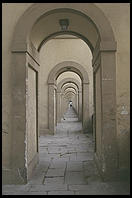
[[118, 15]]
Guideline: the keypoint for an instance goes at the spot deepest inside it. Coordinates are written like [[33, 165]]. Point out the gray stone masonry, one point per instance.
[[66, 165]]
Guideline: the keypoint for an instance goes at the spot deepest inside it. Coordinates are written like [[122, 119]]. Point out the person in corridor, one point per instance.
[[70, 103]]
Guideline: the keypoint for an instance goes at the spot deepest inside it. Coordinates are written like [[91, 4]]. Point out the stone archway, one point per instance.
[[70, 96], [74, 88], [55, 72], [69, 87], [66, 92], [59, 96], [69, 80], [25, 66]]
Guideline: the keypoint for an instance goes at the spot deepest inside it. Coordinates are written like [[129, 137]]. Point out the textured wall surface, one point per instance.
[[31, 135]]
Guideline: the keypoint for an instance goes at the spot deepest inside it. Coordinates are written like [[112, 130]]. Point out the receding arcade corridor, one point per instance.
[[66, 108], [66, 165]]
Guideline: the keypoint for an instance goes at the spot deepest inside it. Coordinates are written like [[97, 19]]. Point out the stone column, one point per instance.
[[62, 101], [58, 107], [51, 108], [19, 167], [85, 103], [24, 94], [76, 101], [73, 98], [106, 153], [55, 104], [108, 98], [94, 112], [80, 105], [64, 104]]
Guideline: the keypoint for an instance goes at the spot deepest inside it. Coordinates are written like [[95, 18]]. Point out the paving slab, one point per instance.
[[37, 193], [55, 172], [91, 172], [54, 180], [71, 149], [74, 166], [37, 179], [57, 149], [83, 156], [62, 159], [91, 192], [61, 193], [26, 193], [57, 164], [42, 167], [73, 156], [48, 187], [15, 193], [43, 150], [46, 156], [17, 188], [98, 188], [79, 187], [74, 178], [93, 178]]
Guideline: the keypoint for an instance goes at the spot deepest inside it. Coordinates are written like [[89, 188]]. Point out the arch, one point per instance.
[[68, 80], [76, 107], [66, 32], [37, 10], [74, 93], [66, 97], [72, 85], [24, 54], [70, 92], [68, 66], [60, 86], [53, 75], [67, 87]]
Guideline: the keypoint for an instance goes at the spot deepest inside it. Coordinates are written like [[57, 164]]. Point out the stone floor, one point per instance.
[[66, 165]]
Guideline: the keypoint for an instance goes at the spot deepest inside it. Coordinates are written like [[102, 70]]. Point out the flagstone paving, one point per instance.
[[66, 165]]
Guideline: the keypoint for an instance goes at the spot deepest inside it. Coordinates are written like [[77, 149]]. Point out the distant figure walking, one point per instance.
[[70, 103]]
